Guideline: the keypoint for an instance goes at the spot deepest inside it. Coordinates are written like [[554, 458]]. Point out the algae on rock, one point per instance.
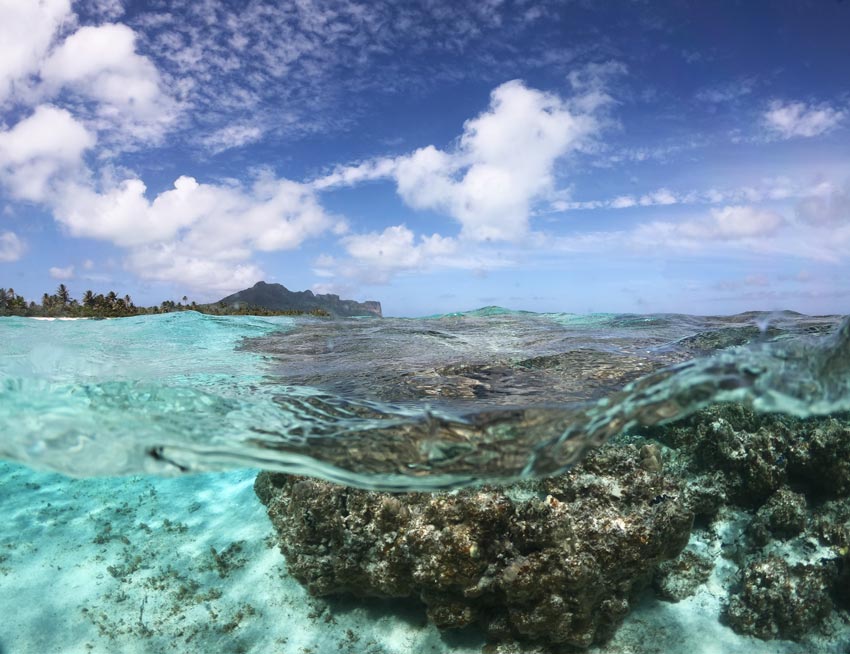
[[555, 561]]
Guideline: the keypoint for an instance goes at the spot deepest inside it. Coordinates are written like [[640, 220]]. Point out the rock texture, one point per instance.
[[553, 562], [778, 600], [556, 562], [788, 482], [678, 579], [279, 298]]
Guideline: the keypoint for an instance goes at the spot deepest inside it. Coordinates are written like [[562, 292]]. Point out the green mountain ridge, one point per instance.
[[277, 297]]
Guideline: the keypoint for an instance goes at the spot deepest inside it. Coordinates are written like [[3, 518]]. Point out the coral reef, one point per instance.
[[790, 480], [549, 562], [677, 579], [558, 561], [780, 601]]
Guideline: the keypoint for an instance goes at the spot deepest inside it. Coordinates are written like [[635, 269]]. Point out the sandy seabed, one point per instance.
[[146, 565]]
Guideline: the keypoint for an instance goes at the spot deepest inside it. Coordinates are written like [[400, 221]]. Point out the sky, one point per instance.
[[435, 155]]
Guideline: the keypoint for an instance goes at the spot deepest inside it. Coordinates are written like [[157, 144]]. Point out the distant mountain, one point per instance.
[[279, 298]]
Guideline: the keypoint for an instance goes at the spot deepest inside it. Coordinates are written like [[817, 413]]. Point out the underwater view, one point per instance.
[[424, 327], [487, 481]]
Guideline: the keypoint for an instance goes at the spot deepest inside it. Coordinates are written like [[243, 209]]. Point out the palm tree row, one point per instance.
[[61, 304]]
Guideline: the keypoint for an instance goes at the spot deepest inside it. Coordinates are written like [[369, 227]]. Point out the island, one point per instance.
[[262, 299]]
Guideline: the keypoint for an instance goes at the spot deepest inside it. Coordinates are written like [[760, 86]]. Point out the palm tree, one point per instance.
[[88, 299], [62, 294], [46, 301]]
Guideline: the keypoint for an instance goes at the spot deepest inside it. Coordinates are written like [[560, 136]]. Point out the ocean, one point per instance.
[[491, 480]]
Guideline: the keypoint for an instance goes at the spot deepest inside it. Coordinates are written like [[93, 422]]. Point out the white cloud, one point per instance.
[[39, 148], [357, 174], [377, 256], [725, 92], [169, 262], [293, 62], [826, 208], [108, 9], [591, 82], [11, 247], [197, 231], [623, 202], [232, 136], [504, 162], [732, 223], [101, 63], [62, 273], [27, 29], [776, 188], [662, 196], [793, 119], [396, 248]]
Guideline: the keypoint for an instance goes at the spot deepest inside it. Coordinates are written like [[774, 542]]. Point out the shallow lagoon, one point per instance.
[[142, 563]]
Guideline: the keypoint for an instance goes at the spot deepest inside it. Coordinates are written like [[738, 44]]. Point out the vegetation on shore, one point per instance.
[[97, 305]]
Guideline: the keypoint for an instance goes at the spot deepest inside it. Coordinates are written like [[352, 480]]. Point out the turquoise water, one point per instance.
[[125, 559], [91, 397], [395, 403]]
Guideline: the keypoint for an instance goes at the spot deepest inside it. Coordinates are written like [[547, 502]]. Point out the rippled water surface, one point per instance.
[[390, 403]]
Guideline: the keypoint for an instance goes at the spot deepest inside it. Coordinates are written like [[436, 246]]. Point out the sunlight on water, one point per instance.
[[399, 404]]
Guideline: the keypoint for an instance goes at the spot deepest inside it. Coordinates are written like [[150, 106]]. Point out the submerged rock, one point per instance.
[[778, 600], [556, 562], [550, 562], [678, 579], [790, 478]]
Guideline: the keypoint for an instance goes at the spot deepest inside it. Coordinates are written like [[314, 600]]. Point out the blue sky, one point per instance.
[[437, 156]]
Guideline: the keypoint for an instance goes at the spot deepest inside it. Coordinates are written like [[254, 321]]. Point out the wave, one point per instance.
[[398, 405]]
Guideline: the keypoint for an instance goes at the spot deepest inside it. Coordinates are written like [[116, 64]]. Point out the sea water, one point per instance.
[[128, 518]]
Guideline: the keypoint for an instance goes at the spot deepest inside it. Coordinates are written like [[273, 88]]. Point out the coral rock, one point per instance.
[[548, 562]]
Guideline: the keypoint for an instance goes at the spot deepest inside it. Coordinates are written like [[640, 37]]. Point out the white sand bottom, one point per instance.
[[114, 566]]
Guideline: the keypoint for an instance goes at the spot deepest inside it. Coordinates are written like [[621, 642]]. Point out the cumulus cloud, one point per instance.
[[11, 247], [26, 31], [101, 63], [397, 248], [65, 273], [40, 147], [376, 257], [197, 231], [798, 119], [503, 163], [202, 235], [169, 262], [96, 71]]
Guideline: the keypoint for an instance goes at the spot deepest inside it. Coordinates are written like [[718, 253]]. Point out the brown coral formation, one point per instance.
[[791, 478], [549, 562], [778, 600], [557, 561]]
